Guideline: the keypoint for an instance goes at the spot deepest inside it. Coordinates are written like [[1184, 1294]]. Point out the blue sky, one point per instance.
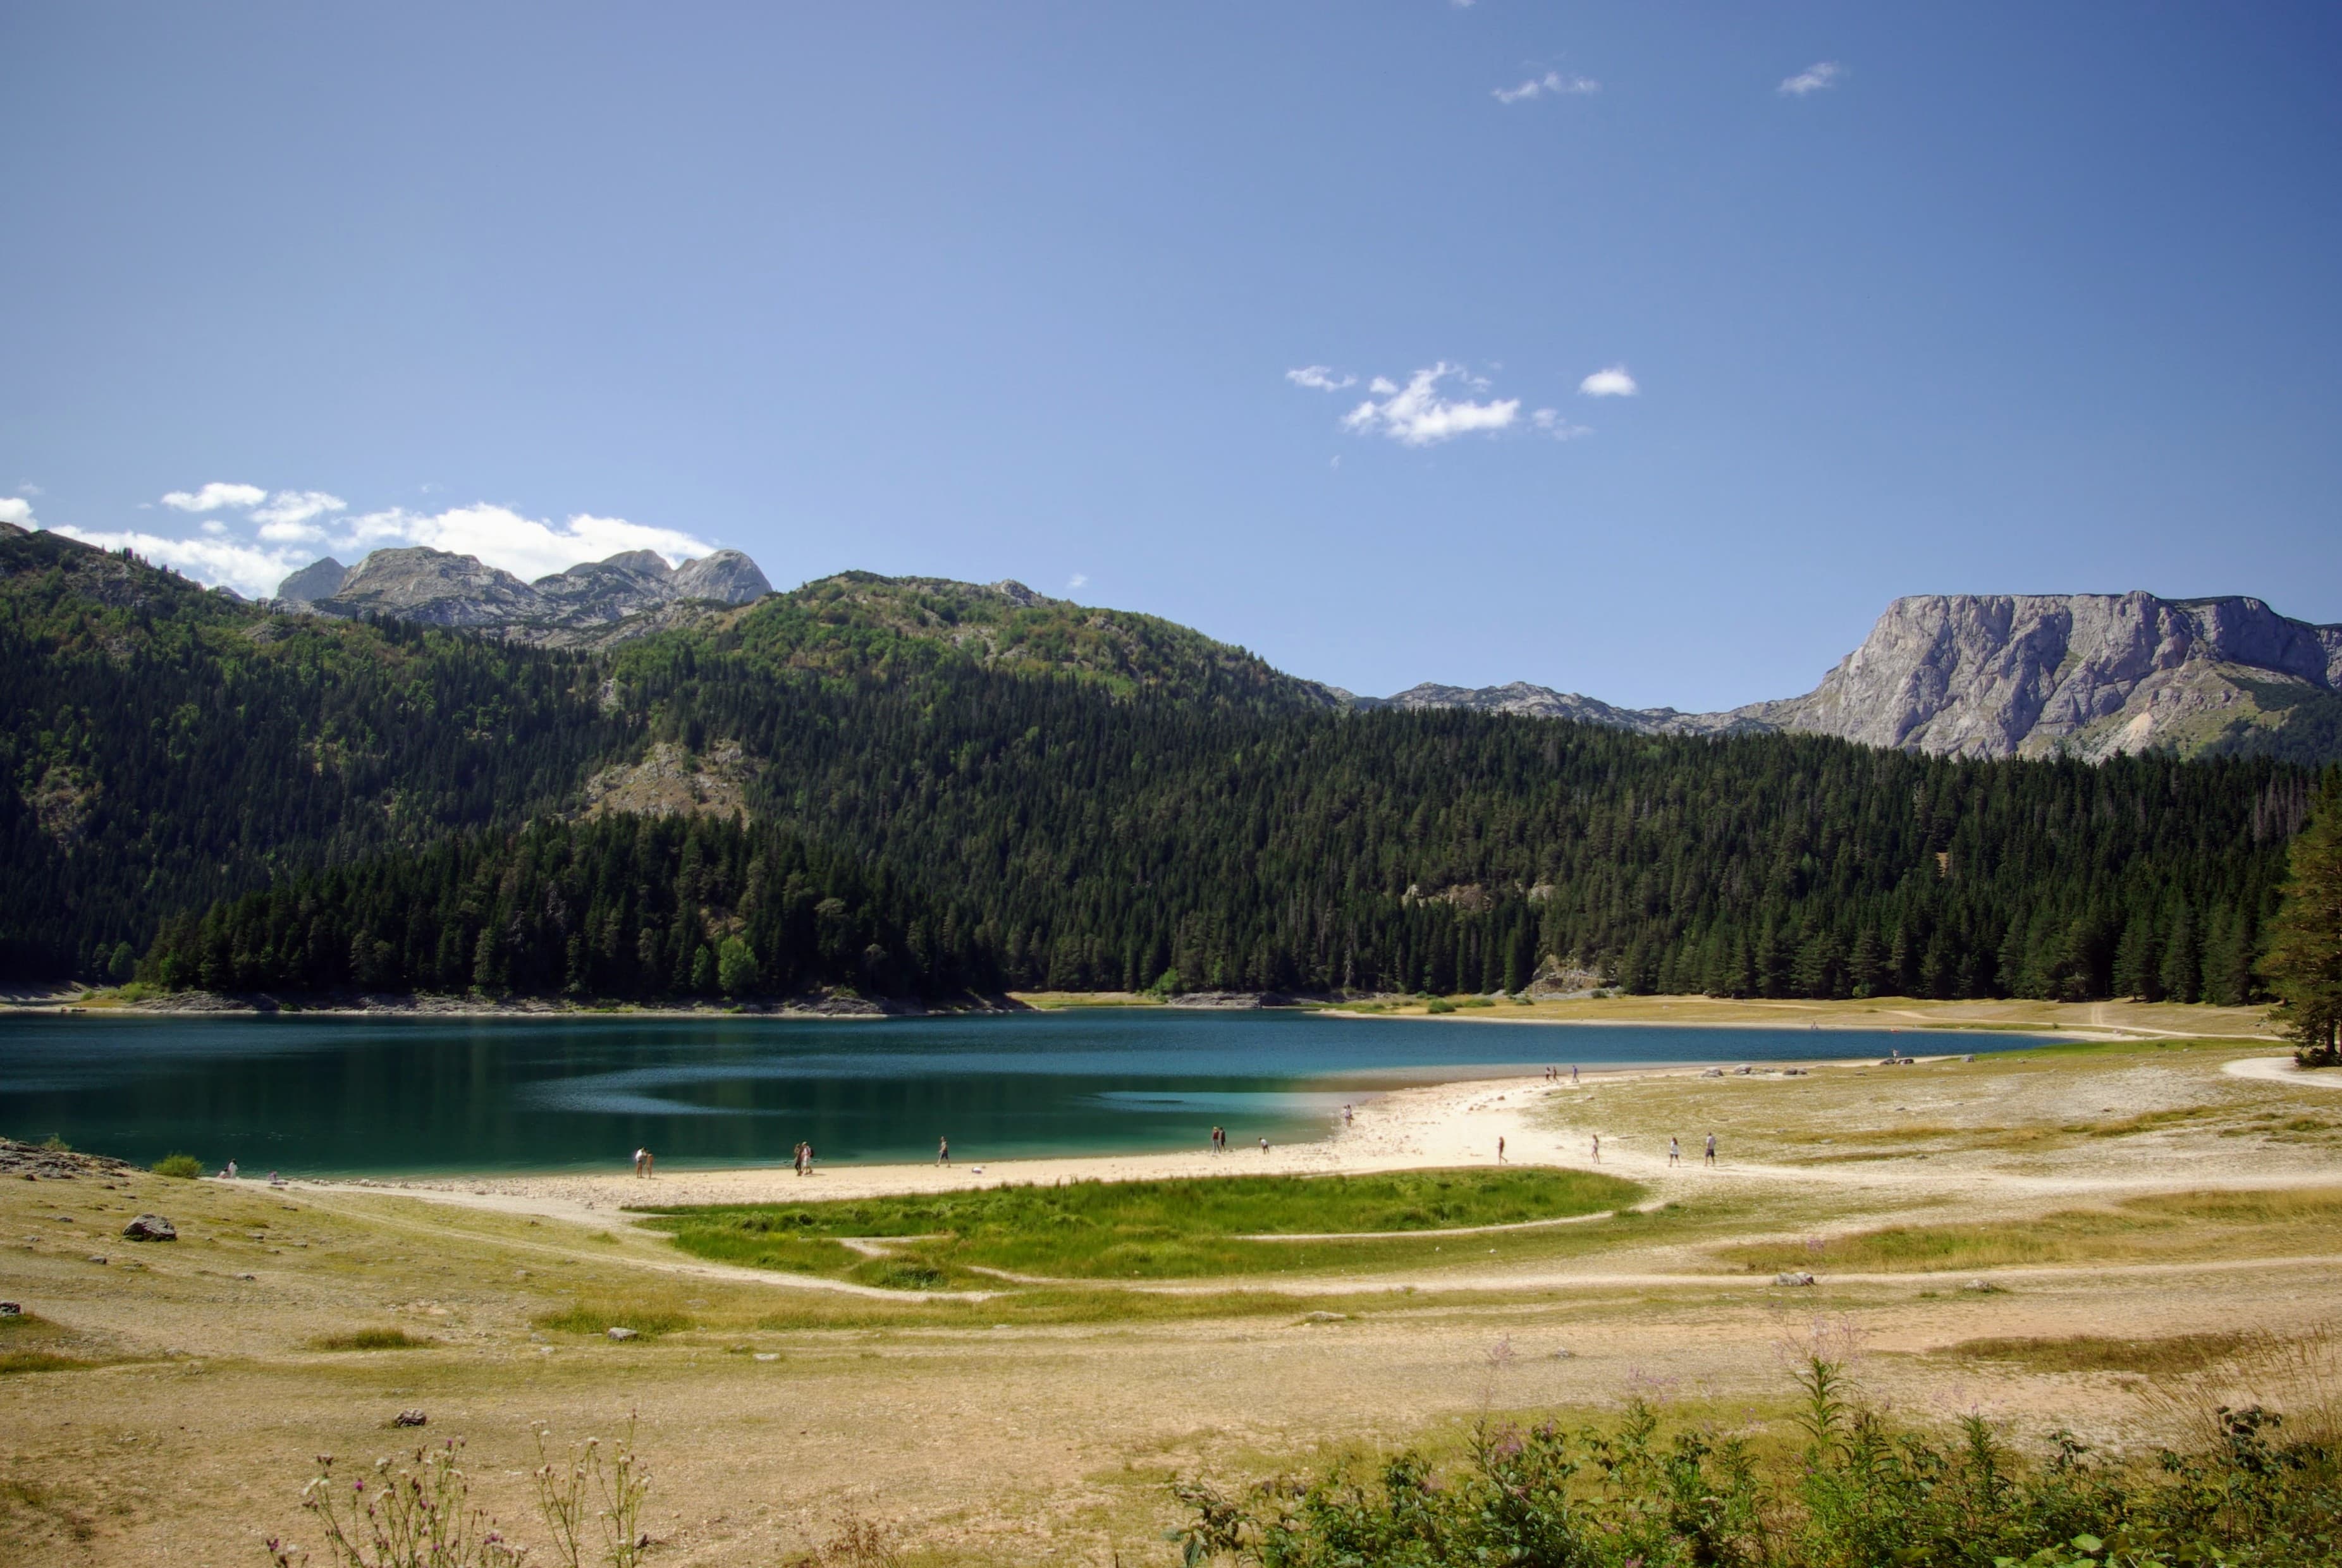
[[2006, 298]]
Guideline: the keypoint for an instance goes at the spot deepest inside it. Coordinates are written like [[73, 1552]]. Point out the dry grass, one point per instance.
[[2162, 1228]]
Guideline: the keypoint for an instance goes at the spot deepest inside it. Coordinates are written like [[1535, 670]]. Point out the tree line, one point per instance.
[[1150, 812]]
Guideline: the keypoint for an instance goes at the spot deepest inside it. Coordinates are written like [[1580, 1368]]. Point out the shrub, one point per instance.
[[184, 1167], [370, 1339], [1439, 1005], [1844, 1484]]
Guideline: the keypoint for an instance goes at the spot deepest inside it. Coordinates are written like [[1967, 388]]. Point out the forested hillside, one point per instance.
[[1113, 803]]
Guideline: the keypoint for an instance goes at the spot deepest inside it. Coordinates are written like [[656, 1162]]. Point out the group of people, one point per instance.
[[1553, 1075], [1220, 1138], [1674, 1151]]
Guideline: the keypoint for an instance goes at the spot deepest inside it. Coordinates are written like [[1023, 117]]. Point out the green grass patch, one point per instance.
[[26, 1342], [370, 1339], [16, 1361], [1184, 1229], [2172, 1353], [600, 1317]]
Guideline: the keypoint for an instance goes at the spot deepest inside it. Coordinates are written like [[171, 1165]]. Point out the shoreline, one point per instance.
[[1449, 1122]]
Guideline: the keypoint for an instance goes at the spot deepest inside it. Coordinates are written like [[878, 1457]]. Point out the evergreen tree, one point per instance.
[[2305, 956]]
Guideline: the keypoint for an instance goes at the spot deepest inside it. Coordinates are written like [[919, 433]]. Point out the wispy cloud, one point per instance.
[[17, 510], [289, 514], [1612, 382], [1555, 423], [281, 532], [29, 488], [1821, 74], [216, 496], [1319, 378], [1553, 83], [1078, 580], [1417, 415]]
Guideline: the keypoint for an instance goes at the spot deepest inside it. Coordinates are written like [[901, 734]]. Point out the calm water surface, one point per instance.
[[352, 1096]]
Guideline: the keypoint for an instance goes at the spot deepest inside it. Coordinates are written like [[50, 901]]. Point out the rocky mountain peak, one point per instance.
[[317, 580], [727, 576], [2016, 674], [440, 588]]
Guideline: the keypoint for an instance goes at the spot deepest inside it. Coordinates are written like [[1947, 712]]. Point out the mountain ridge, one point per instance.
[[2092, 675], [442, 588]]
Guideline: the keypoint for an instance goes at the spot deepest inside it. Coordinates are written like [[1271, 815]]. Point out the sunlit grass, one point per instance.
[[1144, 1230]]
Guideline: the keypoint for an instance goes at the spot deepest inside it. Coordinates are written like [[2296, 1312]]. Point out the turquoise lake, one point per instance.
[[345, 1096]]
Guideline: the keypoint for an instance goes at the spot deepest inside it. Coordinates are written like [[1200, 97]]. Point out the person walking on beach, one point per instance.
[[1346, 1115], [1219, 1140], [943, 1151], [640, 1155], [1573, 1076], [1674, 1153], [1597, 1148], [1500, 1151], [1711, 1148], [1264, 1147]]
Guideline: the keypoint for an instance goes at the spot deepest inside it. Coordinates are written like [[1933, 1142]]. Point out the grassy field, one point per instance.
[[1137, 1230], [2161, 1226]]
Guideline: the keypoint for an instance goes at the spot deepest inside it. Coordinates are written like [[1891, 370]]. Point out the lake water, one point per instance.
[[383, 1096]]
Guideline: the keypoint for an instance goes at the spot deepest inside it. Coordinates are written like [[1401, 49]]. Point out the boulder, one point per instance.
[[151, 1228], [409, 1418], [1798, 1277], [622, 1333], [11, 1309]]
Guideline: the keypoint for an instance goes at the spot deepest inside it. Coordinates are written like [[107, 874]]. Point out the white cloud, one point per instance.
[[292, 508], [29, 488], [1613, 382], [283, 531], [17, 510], [1078, 580], [1551, 82], [1417, 415], [216, 495], [1319, 378], [528, 547], [1555, 423], [1814, 78]]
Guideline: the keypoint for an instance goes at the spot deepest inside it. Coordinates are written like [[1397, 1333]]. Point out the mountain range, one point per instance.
[[439, 588], [1970, 675]]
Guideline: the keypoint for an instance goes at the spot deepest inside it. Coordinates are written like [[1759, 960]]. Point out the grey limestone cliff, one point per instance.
[[440, 588], [2093, 674], [1998, 675]]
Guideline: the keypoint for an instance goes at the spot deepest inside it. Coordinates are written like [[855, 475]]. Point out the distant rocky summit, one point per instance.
[[443, 589], [1997, 675]]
